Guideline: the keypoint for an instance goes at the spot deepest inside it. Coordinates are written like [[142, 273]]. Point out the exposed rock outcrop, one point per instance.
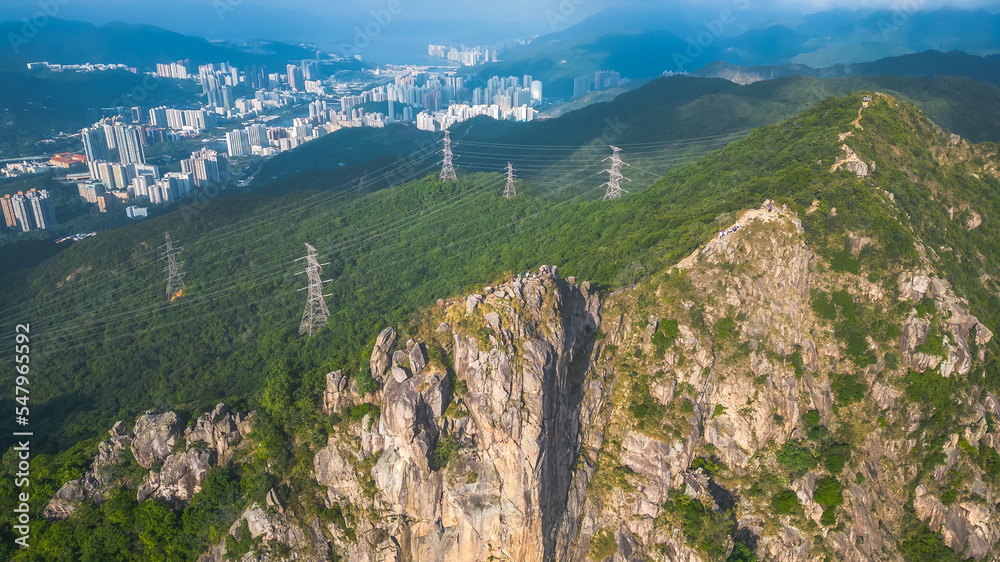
[[155, 436], [211, 440], [335, 396], [97, 481], [180, 478], [381, 354], [857, 167], [332, 471], [273, 528], [973, 220], [966, 526], [220, 431]]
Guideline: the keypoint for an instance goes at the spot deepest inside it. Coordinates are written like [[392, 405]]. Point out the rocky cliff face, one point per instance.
[[520, 354]]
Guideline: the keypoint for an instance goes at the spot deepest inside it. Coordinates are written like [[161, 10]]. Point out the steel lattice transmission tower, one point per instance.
[[447, 168], [315, 315], [509, 191], [361, 181], [615, 176], [175, 279]]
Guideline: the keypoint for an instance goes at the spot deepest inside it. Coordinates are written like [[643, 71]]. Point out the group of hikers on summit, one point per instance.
[[730, 230]]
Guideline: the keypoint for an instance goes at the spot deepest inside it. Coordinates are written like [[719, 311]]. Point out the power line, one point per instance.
[[315, 315], [237, 228], [615, 176], [266, 277], [210, 297], [175, 279], [257, 281]]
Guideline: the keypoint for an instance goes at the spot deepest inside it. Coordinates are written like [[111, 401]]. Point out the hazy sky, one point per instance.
[[330, 23], [534, 15]]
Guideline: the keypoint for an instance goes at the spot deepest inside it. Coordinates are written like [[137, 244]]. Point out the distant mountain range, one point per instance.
[[927, 64], [142, 46], [643, 43]]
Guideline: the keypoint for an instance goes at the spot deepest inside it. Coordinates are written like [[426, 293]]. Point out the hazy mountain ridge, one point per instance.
[[629, 43], [141, 46], [927, 64]]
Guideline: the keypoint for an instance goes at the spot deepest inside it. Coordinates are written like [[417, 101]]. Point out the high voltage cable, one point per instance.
[[256, 222], [332, 195], [339, 194], [403, 223], [352, 239], [214, 313], [216, 294], [599, 143], [200, 298]]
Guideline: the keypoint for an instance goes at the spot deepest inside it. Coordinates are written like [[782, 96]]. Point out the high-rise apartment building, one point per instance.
[[141, 185], [294, 76], [109, 133], [9, 219], [189, 118], [158, 116], [604, 79], [146, 170], [180, 182], [177, 69], [536, 91], [310, 69], [257, 135], [122, 175], [95, 146], [31, 210], [129, 141], [208, 166], [582, 85], [91, 190], [238, 143], [41, 205]]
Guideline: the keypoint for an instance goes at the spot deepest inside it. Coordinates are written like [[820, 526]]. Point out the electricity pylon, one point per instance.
[[175, 279], [509, 191], [615, 176], [315, 315], [447, 168]]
